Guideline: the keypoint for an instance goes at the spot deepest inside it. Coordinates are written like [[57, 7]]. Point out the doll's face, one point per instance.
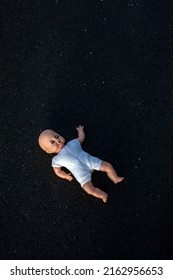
[[51, 142]]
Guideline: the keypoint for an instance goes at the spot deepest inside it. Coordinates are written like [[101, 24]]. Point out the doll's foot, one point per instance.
[[118, 180], [105, 197]]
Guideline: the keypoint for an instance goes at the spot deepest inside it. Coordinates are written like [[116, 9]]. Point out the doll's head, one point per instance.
[[50, 141]]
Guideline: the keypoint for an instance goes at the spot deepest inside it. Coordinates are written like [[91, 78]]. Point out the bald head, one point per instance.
[[43, 137], [50, 141]]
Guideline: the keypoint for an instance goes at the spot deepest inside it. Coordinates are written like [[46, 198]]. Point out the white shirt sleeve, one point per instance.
[[55, 162]]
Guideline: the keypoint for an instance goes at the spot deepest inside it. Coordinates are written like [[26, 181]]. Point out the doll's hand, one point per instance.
[[81, 133], [80, 128], [69, 177]]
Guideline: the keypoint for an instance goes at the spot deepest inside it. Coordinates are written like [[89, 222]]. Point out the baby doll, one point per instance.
[[79, 163]]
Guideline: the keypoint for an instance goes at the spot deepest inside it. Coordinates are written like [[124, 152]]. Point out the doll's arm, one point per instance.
[[60, 173], [81, 133]]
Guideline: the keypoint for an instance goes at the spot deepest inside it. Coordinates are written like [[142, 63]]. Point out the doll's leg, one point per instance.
[[90, 189], [111, 173]]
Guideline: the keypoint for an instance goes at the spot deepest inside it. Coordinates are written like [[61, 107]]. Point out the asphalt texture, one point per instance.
[[105, 65]]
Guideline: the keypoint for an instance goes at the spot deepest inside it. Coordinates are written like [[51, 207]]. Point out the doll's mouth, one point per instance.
[[60, 144]]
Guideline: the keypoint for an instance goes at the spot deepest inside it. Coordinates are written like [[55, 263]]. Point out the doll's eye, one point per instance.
[[57, 136], [52, 141]]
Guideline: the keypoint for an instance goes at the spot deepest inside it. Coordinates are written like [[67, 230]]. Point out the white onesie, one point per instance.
[[78, 162]]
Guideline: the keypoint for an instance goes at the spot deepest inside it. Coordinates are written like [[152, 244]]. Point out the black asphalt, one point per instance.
[[105, 65]]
